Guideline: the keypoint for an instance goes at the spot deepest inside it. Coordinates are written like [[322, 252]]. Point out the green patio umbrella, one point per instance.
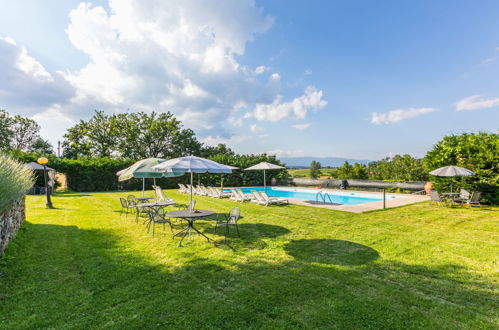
[[143, 170]]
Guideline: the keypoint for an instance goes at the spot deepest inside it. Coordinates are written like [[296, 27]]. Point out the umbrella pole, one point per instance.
[[222, 182], [143, 186], [190, 203], [264, 182], [154, 180]]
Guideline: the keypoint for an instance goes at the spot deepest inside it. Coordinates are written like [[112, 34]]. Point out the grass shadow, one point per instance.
[[58, 276], [329, 251]]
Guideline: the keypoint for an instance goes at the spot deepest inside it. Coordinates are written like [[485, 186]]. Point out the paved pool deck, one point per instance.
[[403, 199]]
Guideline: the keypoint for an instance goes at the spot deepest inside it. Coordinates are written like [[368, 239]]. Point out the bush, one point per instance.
[[99, 174], [15, 180], [477, 152]]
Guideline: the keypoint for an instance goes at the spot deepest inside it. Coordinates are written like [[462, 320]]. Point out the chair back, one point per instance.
[[434, 196], [123, 202], [131, 200], [264, 196], [234, 214], [464, 194], [156, 213], [475, 196], [256, 195]]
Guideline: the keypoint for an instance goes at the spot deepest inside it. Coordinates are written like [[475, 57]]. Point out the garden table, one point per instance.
[[150, 205], [450, 197], [190, 217], [143, 198]]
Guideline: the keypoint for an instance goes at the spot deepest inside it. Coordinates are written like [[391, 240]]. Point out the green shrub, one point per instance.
[[478, 152], [15, 180]]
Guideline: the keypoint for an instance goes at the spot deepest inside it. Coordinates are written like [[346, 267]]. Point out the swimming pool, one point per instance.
[[344, 198]]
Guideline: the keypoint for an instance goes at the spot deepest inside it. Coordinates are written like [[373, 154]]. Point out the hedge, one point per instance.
[[99, 174]]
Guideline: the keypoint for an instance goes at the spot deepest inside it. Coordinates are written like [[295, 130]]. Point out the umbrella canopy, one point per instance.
[[143, 170], [264, 166], [191, 164], [452, 171], [37, 167]]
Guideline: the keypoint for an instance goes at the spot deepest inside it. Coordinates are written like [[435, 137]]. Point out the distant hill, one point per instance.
[[304, 162]]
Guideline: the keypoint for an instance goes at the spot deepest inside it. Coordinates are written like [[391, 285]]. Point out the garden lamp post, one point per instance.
[[43, 161]]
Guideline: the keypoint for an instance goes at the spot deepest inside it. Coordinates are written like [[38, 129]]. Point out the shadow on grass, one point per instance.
[[251, 231], [68, 194], [328, 251], [67, 277]]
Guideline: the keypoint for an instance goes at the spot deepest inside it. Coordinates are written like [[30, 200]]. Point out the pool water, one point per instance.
[[345, 198]]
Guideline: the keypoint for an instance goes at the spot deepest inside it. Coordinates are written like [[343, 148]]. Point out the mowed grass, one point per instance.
[[83, 265], [305, 172]]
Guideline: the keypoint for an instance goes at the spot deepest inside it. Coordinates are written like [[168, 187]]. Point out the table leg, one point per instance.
[[200, 233]]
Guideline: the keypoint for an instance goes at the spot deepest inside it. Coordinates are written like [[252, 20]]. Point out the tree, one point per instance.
[[345, 171], [359, 171], [42, 147], [5, 130], [315, 169], [17, 132], [398, 168], [478, 152], [131, 135], [25, 132]]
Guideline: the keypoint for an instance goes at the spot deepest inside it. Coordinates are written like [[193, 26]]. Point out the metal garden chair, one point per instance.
[[229, 220]]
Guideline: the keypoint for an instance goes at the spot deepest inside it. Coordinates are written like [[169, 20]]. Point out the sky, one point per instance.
[[356, 79]]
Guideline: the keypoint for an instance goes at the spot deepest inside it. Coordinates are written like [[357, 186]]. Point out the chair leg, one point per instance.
[[216, 227], [237, 228]]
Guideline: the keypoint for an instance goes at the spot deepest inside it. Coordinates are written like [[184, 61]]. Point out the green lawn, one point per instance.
[[83, 266], [305, 172]]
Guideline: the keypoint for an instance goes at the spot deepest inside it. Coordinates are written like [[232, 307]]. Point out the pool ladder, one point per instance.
[[323, 197]]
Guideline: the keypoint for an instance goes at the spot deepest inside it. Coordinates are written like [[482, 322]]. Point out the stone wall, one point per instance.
[[10, 221]]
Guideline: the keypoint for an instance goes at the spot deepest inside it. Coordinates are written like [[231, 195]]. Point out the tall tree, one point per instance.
[[315, 169], [25, 132], [5, 130], [131, 135], [17, 132]]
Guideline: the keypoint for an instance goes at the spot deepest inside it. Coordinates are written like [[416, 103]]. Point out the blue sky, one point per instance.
[[359, 79]]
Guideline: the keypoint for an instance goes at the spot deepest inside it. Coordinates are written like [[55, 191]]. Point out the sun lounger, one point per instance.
[[257, 198], [244, 197], [272, 200]]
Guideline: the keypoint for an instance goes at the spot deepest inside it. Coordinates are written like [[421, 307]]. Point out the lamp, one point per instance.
[[43, 161]]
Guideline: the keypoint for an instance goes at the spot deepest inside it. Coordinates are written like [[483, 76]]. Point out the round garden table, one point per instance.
[[151, 205], [190, 217]]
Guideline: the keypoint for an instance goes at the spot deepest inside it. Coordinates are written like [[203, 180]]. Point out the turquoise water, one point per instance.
[[345, 198]]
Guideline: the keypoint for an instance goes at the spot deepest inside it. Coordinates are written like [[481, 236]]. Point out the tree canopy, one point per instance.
[[478, 152], [315, 169], [21, 133], [130, 135]]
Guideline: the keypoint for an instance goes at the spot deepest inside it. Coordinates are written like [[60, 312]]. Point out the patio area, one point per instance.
[[83, 265]]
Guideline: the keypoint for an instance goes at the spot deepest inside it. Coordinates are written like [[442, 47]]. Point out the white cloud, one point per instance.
[[255, 128], [302, 127], [475, 102], [25, 86], [234, 139], [178, 56], [297, 108], [394, 116], [307, 72], [261, 69]]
